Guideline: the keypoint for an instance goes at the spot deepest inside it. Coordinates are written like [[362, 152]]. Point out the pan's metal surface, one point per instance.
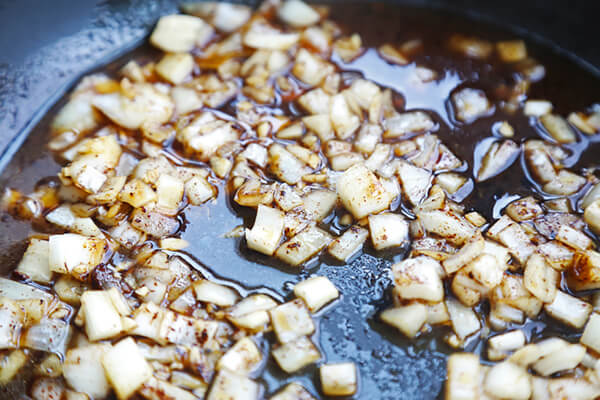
[[49, 51]]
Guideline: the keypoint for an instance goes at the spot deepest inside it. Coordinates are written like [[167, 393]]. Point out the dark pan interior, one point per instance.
[[78, 37]]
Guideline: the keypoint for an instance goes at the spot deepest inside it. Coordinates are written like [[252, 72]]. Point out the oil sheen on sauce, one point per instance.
[[350, 330]]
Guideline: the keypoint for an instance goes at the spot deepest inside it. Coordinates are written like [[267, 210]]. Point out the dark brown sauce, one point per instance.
[[389, 364]]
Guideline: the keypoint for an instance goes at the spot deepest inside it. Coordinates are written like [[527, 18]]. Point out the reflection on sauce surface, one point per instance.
[[350, 330]]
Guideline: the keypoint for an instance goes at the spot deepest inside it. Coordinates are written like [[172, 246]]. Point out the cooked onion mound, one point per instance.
[[124, 313]]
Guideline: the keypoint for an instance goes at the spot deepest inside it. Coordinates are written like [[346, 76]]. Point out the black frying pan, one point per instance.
[[46, 46]]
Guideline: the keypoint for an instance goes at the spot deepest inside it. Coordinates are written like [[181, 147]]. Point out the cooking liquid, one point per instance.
[[390, 365]]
